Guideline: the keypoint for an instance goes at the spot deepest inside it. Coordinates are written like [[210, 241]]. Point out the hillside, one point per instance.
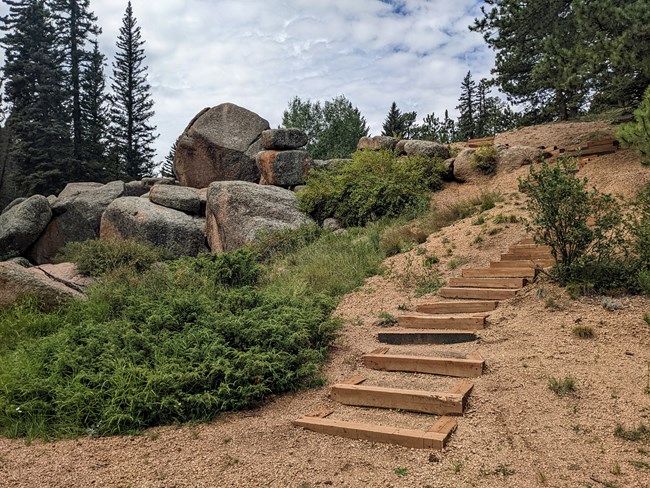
[[515, 432]]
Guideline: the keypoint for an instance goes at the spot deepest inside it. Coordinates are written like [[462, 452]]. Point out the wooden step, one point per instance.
[[479, 293], [447, 336], [469, 366], [526, 241], [541, 262], [435, 438], [513, 264], [499, 273], [507, 283], [413, 320], [457, 307], [525, 256], [435, 403], [523, 248]]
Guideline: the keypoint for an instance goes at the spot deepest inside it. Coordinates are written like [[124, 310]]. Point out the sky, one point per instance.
[[259, 54]]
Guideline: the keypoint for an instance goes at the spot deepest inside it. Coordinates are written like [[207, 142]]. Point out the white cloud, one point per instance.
[[261, 53]]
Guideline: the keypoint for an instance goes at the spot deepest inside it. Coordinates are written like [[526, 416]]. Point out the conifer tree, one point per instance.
[[132, 135], [94, 116], [74, 23], [40, 147], [467, 109], [398, 124], [167, 170]]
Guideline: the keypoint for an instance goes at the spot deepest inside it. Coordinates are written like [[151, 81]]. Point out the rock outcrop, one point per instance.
[[282, 139], [21, 225], [138, 218], [465, 169], [183, 198], [426, 148], [377, 143], [237, 211], [219, 144], [17, 282], [283, 168], [510, 158], [77, 214]]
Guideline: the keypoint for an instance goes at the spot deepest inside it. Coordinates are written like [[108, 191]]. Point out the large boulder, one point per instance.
[[139, 219], [77, 215], [465, 169], [284, 139], [510, 158], [17, 282], [237, 211], [426, 148], [181, 198], [377, 143], [219, 144], [21, 225], [13, 203], [283, 168]]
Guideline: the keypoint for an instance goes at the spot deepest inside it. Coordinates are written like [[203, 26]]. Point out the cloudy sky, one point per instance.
[[261, 53]]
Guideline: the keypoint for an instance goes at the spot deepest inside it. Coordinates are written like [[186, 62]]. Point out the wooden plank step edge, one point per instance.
[[458, 307], [426, 336], [425, 321], [469, 367], [434, 402], [491, 282], [529, 273], [435, 438]]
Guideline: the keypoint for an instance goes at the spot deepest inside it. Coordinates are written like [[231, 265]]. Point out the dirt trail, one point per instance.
[[516, 432]]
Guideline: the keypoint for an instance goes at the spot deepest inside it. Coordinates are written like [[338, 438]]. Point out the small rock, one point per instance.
[[331, 224]]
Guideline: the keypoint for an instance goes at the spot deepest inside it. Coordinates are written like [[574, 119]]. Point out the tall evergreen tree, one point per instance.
[[40, 148], [399, 124], [167, 170], [539, 61], [74, 22], [131, 104], [93, 103], [467, 108]]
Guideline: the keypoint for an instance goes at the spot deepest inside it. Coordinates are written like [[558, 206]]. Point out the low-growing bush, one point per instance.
[[375, 184], [636, 134], [485, 159], [278, 244], [96, 257], [401, 238], [179, 342]]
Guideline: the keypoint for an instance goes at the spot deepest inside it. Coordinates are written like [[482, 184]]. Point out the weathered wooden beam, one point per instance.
[[478, 293], [435, 403], [499, 273], [417, 439], [441, 322], [426, 337], [457, 307], [467, 367], [503, 283]]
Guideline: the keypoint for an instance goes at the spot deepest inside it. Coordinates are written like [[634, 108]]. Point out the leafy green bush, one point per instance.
[[485, 159], [176, 343], [278, 244], [375, 184], [636, 134], [96, 257], [583, 227]]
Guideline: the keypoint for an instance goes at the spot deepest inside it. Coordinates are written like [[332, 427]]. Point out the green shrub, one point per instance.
[[278, 244], [375, 184], [401, 238], [485, 159], [583, 227], [636, 134], [176, 343], [96, 257], [563, 386]]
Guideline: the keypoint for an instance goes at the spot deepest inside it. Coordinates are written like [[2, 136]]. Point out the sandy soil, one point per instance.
[[515, 432]]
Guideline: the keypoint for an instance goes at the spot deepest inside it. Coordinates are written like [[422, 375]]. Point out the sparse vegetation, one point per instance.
[[401, 472], [583, 332], [97, 257], [457, 466], [485, 159], [457, 262], [387, 317], [560, 386], [642, 432]]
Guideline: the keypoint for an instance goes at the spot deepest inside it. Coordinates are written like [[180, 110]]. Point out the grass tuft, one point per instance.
[[561, 387]]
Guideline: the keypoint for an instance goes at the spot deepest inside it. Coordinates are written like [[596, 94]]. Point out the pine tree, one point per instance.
[[167, 170], [40, 148], [74, 22], [398, 124], [94, 116], [467, 108], [132, 135]]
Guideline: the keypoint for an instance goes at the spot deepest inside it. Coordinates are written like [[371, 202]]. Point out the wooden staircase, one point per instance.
[[476, 293]]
